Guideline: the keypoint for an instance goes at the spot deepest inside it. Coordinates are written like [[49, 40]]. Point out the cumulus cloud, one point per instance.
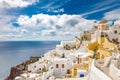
[[55, 25], [49, 33], [7, 30], [5, 25], [42, 27], [112, 15], [16, 3], [39, 26]]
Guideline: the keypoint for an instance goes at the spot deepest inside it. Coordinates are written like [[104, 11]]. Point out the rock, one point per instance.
[[13, 73], [19, 69]]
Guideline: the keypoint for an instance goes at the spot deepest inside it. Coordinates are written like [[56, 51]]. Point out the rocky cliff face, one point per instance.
[[19, 69], [13, 73]]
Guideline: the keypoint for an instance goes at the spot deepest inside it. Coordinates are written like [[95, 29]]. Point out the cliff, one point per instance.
[[19, 69]]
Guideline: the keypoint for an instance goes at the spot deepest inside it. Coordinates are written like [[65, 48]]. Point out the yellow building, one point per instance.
[[101, 48], [76, 67]]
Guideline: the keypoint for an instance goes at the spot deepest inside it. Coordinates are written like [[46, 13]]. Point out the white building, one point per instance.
[[79, 57], [39, 65], [35, 67], [114, 32], [29, 76], [102, 30], [61, 66], [70, 44]]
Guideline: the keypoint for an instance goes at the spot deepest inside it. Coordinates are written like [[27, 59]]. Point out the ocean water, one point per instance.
[[15, 52]]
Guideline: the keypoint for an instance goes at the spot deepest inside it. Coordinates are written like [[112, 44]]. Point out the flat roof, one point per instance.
[[82, 54], [60, 59]]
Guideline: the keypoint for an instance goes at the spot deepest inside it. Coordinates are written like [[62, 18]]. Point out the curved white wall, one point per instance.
[[96, 74], [114, 72]]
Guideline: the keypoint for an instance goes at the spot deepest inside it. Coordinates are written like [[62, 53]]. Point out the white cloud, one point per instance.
[[98, 10], [16, 3], [56, 10], [54, 26], [112, 15], [55, 5], [104, 3], [5, 23], [40, 26]]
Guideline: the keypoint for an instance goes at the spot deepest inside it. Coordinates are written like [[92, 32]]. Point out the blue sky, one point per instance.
[[52, 19]]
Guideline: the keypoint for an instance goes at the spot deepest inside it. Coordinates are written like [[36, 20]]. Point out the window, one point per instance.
[[40, 69], [62, 65], [81, 75], [106, 35], [115, 32], [68, 71], [102, 34], [57, 65], [113, 40]]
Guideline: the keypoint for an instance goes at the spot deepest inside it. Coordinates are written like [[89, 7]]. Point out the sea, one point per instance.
[[13, 53]]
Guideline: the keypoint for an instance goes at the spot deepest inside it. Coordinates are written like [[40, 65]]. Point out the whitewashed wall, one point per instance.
[[114, 72], [96, 74]]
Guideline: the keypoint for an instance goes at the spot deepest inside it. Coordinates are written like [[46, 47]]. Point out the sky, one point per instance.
[[52, 19]]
